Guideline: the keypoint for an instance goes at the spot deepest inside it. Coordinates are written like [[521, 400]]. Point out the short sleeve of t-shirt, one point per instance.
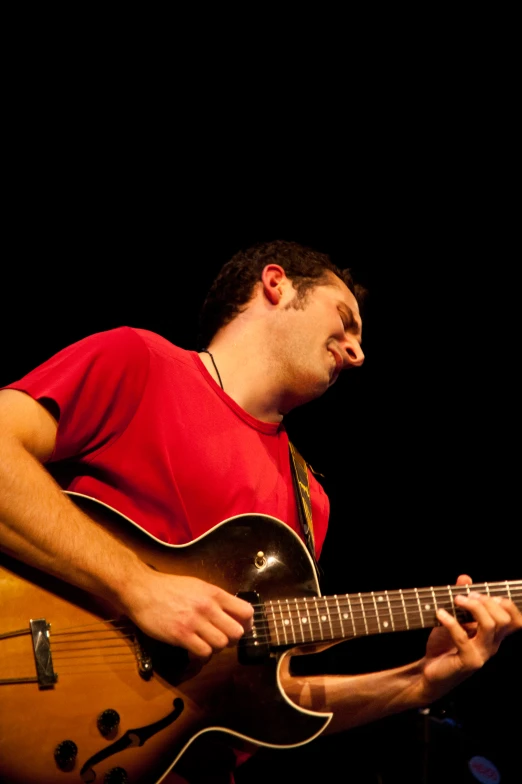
[[96, 383]]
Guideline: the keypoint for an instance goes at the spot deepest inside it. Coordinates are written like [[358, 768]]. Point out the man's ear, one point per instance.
[[274, 280]]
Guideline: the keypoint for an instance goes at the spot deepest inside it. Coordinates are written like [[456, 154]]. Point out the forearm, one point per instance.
[[453, 654], [41, 526], [358, 699]]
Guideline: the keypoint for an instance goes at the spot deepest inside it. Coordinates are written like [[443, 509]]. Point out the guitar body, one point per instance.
[[125, 708]]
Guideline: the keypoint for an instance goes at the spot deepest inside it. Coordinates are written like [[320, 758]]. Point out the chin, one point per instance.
[[323, 386], [312, 385]]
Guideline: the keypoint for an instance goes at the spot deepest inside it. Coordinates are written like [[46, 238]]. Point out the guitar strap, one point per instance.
[[304, 504]]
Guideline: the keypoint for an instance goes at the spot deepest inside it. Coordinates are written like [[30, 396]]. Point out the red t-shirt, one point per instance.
[[144, 428]]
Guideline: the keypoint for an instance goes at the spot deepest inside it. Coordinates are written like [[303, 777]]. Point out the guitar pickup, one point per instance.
[[254, 646]]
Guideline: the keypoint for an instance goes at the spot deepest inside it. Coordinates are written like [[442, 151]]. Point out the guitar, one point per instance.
[[85, 697]]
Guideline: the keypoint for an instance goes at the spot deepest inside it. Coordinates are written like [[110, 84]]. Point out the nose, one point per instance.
[[353, 352]]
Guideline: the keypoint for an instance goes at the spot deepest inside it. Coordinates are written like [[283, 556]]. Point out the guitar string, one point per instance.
[[411, 595], [295, 615], [408, 599], [373, 622], [347, 613], [393, 599], [370, 608], [264, 634], [329, 628], [292, 636], [397, 600]]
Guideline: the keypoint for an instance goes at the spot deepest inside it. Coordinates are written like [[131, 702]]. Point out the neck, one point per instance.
[[246, 376]]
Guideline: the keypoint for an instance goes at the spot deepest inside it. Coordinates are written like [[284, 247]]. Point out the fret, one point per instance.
[[404, 609], [309, 624], [345, 616], [434, 603], [319, 619], [303, 620], [300, 621], [274, 623], [327, 606], [452, 601], [383, 614], [426, 595], [390, 610], [376, 612], [283, 627], [289, 622], [340, 614], [292, 607], [325, 617], [420, 607], [363, 612], [351, 613]]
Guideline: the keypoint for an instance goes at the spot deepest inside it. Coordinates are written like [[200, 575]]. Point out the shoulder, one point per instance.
[[158, 344], [123, 345], [129, 351], [99, 360], [166, 356], [118, 339]]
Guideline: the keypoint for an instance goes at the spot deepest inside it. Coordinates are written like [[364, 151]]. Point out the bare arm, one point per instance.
[[41, 526], [454, 652]]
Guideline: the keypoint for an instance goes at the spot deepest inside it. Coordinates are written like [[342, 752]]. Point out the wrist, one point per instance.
[[126, 587]]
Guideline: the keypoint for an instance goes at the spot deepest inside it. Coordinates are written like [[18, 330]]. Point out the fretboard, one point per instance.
[[343, 616]]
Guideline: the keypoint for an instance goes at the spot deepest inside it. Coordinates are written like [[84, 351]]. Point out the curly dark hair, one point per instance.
[[234, 285]]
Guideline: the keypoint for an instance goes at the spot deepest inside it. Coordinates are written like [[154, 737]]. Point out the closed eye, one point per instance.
[[349, 322]]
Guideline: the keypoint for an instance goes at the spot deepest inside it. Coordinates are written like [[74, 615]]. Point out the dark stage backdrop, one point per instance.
[[418, 449]]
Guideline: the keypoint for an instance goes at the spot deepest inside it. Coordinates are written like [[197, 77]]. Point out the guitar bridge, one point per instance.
[[45, 675]]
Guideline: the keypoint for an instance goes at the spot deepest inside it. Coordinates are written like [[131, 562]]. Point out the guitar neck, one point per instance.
[[345, 616]]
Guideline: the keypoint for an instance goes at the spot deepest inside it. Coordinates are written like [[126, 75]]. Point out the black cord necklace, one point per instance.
[[206, 351]]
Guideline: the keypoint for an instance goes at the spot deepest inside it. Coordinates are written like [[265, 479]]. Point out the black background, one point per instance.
[[121, 213]]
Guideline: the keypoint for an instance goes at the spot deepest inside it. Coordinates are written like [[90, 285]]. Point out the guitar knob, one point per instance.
[[65, 754], [116, 776], [108, 722]]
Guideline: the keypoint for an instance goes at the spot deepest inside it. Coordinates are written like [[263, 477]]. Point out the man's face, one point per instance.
[[323, 336]]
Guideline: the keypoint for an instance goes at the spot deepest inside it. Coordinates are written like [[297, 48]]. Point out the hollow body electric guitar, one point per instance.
[[84, 697]]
